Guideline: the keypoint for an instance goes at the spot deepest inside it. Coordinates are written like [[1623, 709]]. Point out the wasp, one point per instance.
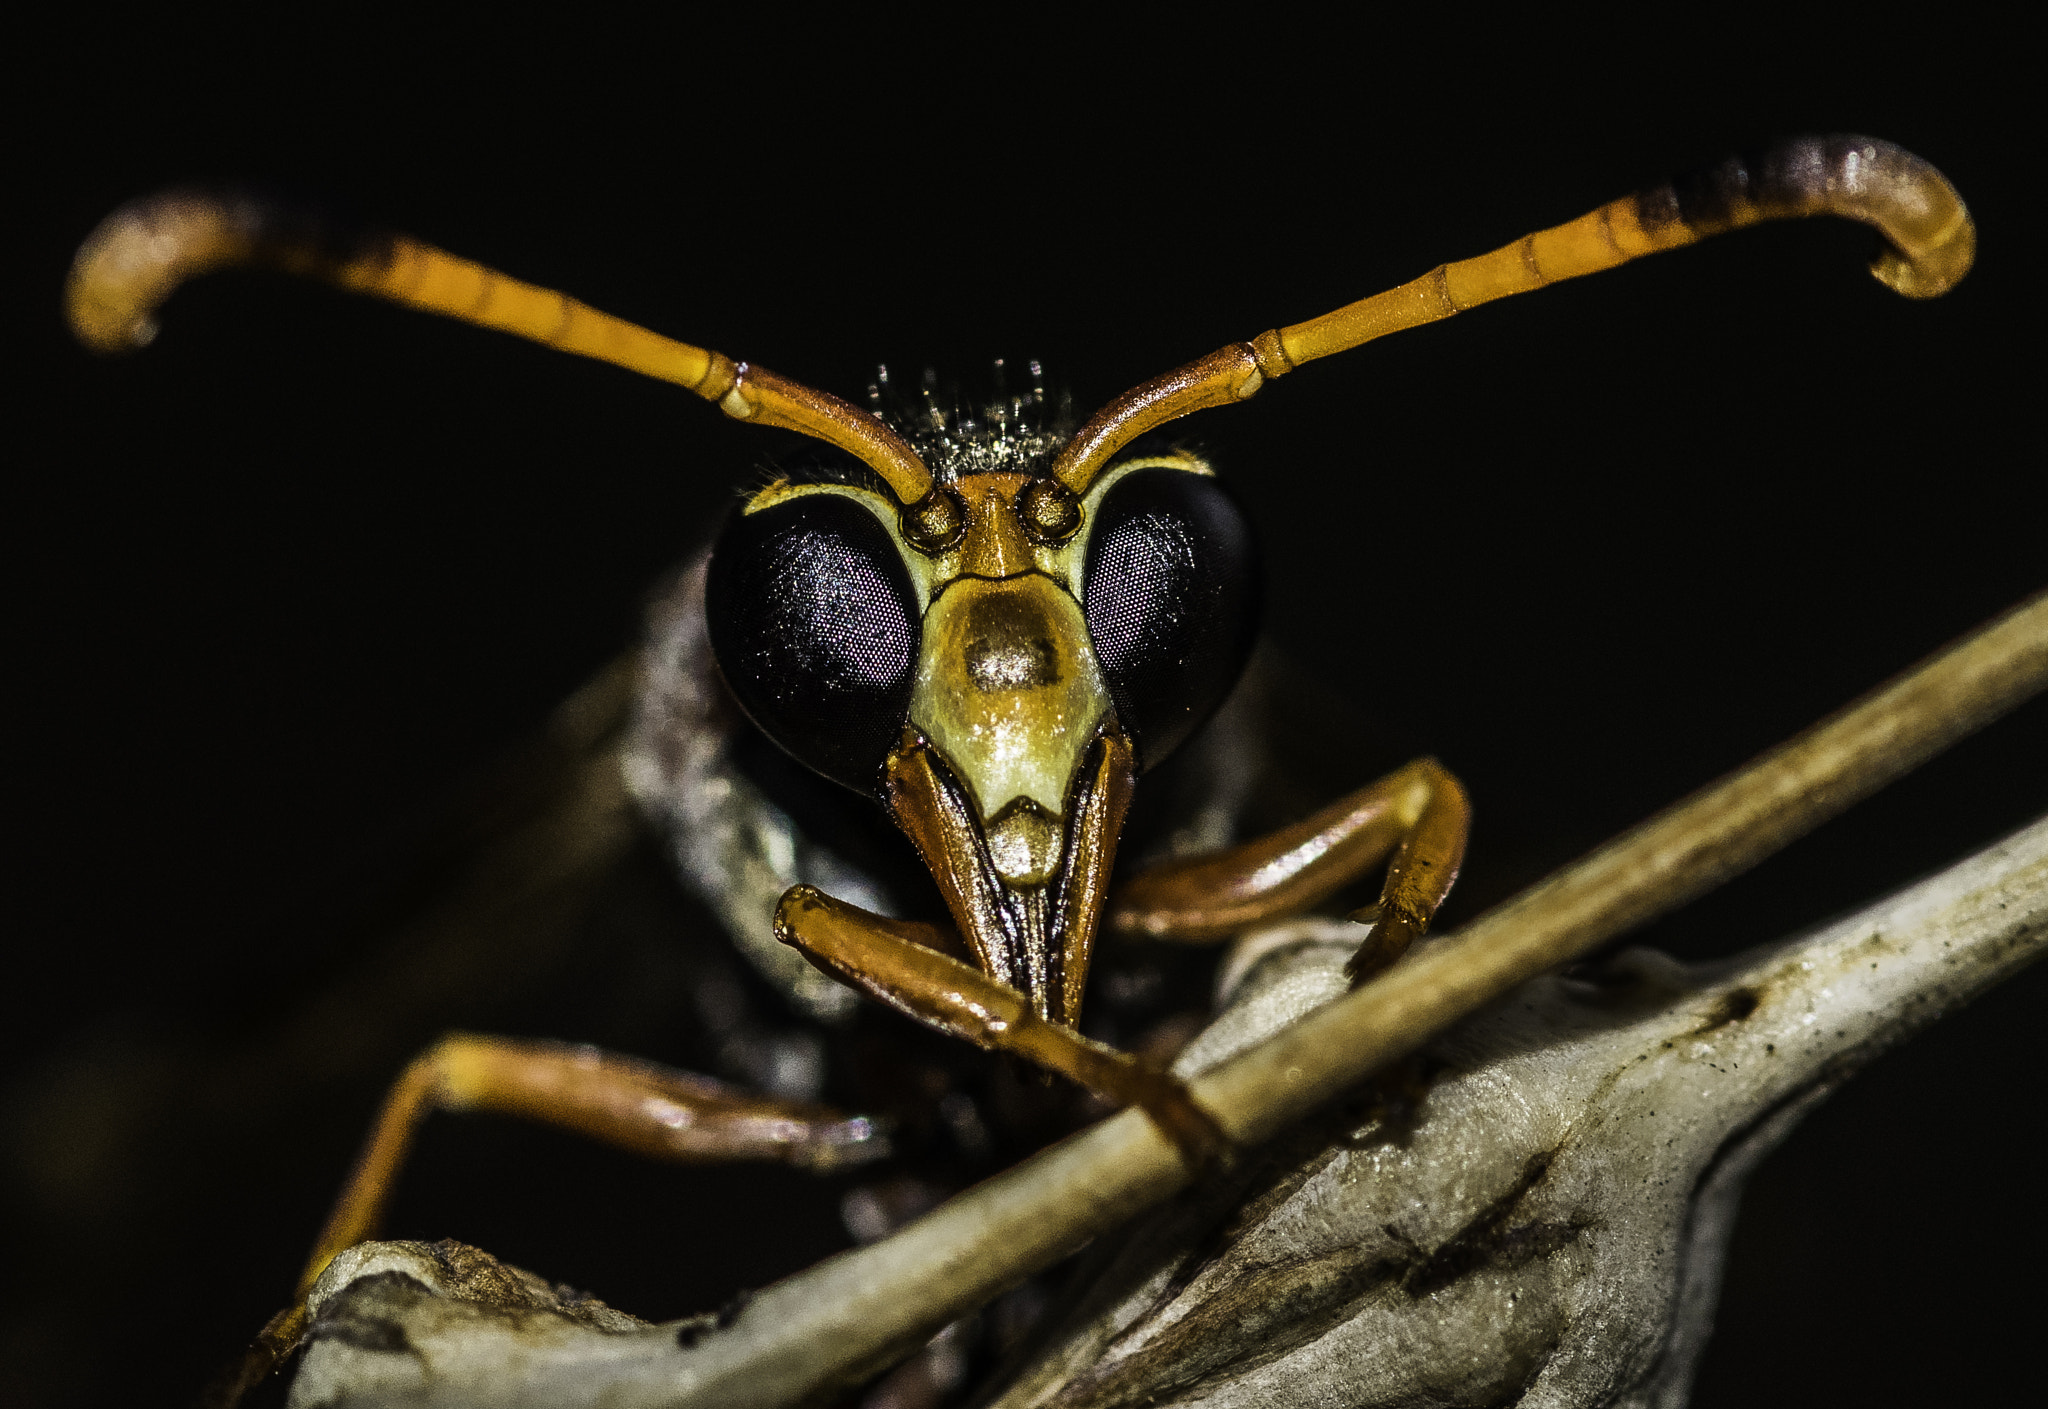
[[989, 623]]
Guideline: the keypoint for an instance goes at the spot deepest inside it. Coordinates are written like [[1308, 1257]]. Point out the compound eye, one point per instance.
[[815, 628], [1170, 595]]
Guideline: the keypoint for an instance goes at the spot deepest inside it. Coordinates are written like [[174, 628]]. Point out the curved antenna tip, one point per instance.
[[134, 259], [1935, 269]]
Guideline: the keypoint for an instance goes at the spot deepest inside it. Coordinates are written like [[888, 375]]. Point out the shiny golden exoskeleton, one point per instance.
[[1011, 771]]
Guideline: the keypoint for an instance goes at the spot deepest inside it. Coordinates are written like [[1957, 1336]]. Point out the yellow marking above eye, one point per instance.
[[783, 488], [1172, 460], [995, 545]]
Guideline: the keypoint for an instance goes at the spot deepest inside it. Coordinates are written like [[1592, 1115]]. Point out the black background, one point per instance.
[[286, 578]]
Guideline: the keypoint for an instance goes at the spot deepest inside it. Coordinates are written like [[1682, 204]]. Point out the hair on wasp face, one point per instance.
[[836, 615]]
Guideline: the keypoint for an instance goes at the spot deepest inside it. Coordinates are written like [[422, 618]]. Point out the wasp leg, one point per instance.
[[1418, 813], [640, 1106], [900, 962]]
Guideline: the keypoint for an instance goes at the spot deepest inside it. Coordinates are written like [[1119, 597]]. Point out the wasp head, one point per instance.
[[996, 663]]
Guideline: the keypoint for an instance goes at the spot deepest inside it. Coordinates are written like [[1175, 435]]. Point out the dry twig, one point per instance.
[[846, 1318]]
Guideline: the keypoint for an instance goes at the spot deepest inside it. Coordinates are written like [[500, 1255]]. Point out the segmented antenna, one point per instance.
[[143, 251], [1929, 244]]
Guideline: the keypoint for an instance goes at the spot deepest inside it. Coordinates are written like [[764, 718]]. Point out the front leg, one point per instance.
[[635, 1105], [901, 963], [1419, 813]]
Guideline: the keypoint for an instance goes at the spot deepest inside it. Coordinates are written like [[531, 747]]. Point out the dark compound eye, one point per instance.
[[814, 626], [1171, 596]]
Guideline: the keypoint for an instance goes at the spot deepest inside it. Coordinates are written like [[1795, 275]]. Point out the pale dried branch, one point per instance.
[[1549, 1227], [1553, 1219], [849, 1316]]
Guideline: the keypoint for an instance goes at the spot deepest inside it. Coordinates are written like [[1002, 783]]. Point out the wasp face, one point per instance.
[[997, 664]]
